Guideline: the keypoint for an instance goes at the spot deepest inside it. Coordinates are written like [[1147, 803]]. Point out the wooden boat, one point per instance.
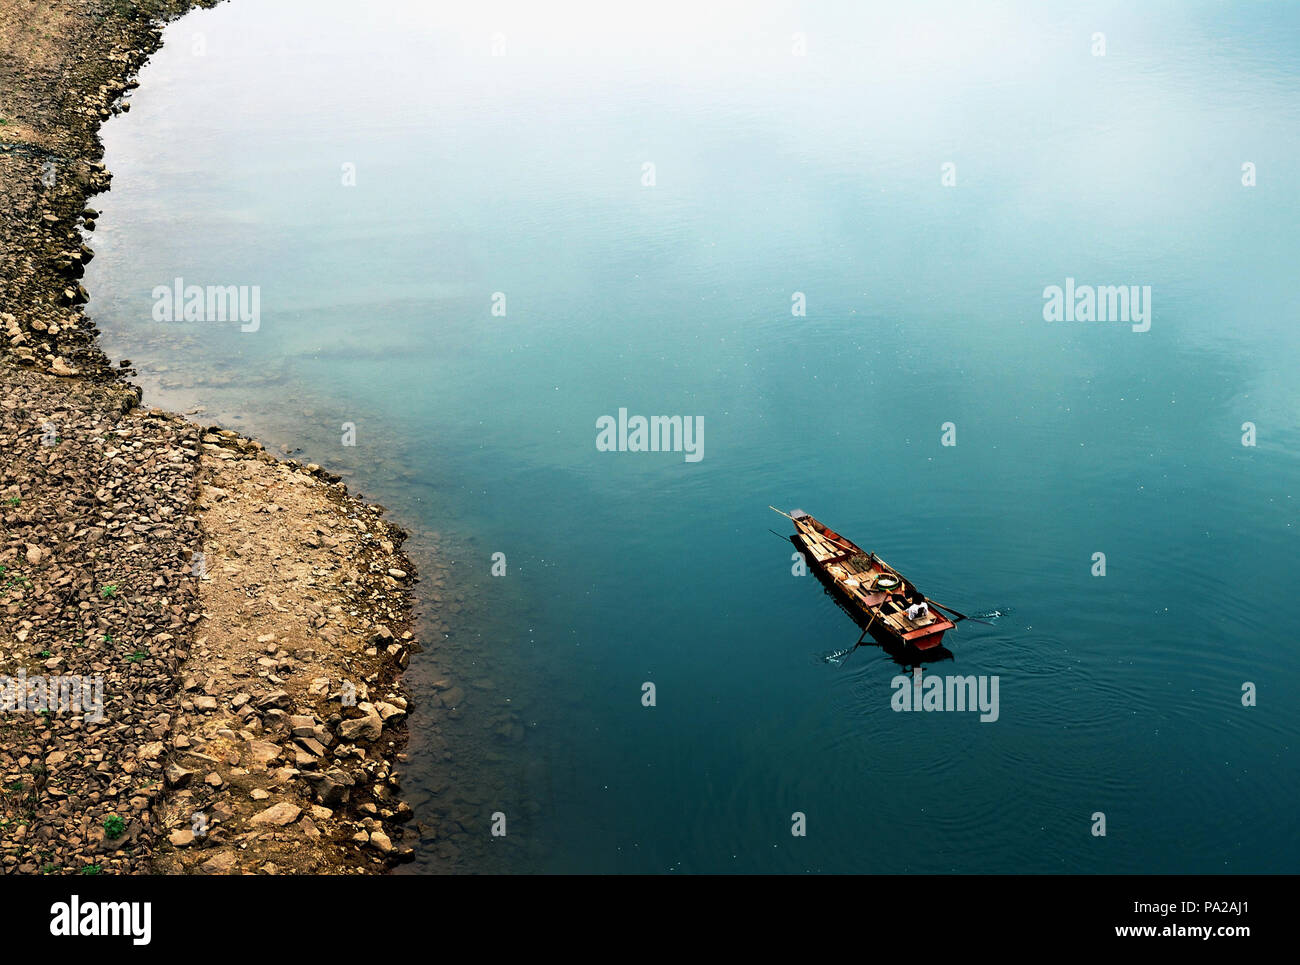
[[892, 607]]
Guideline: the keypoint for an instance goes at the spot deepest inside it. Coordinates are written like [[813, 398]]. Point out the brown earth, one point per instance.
[[246, 617]]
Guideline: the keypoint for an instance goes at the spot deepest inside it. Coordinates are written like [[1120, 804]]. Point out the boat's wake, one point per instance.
[[838, 656], [993, 614]]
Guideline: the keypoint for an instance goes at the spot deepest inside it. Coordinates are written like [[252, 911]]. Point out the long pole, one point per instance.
[[959, 615], [860, 639], [955, 613]]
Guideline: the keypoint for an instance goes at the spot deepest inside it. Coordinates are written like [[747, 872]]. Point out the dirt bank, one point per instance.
[[243, 620]]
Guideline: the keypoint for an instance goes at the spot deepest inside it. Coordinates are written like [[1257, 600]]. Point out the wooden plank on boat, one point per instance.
[[825, 553]]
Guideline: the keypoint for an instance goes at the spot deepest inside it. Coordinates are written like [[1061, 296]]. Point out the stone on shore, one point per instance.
[[277, 814]]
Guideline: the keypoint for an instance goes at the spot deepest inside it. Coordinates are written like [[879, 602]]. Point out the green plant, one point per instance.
[[114, 826], [92, 869], [13, 581], [108, 591], [137, 656]]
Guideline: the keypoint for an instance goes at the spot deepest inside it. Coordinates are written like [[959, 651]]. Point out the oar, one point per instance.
[[860, 639], [960, 616]]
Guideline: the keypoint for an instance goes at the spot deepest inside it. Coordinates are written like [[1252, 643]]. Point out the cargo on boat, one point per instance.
[[892, 608]]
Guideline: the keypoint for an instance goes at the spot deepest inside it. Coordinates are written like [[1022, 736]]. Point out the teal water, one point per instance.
[[774, 173]]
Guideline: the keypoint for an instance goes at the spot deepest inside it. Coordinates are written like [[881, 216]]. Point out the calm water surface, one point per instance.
[[522, 173]]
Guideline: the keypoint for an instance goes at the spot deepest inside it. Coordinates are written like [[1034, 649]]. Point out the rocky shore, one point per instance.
[[233, 626]]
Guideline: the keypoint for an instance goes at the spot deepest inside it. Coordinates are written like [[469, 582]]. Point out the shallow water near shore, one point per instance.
[[522, 173]]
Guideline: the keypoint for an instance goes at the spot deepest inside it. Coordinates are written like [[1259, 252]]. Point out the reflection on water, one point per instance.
[[776, 176]]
